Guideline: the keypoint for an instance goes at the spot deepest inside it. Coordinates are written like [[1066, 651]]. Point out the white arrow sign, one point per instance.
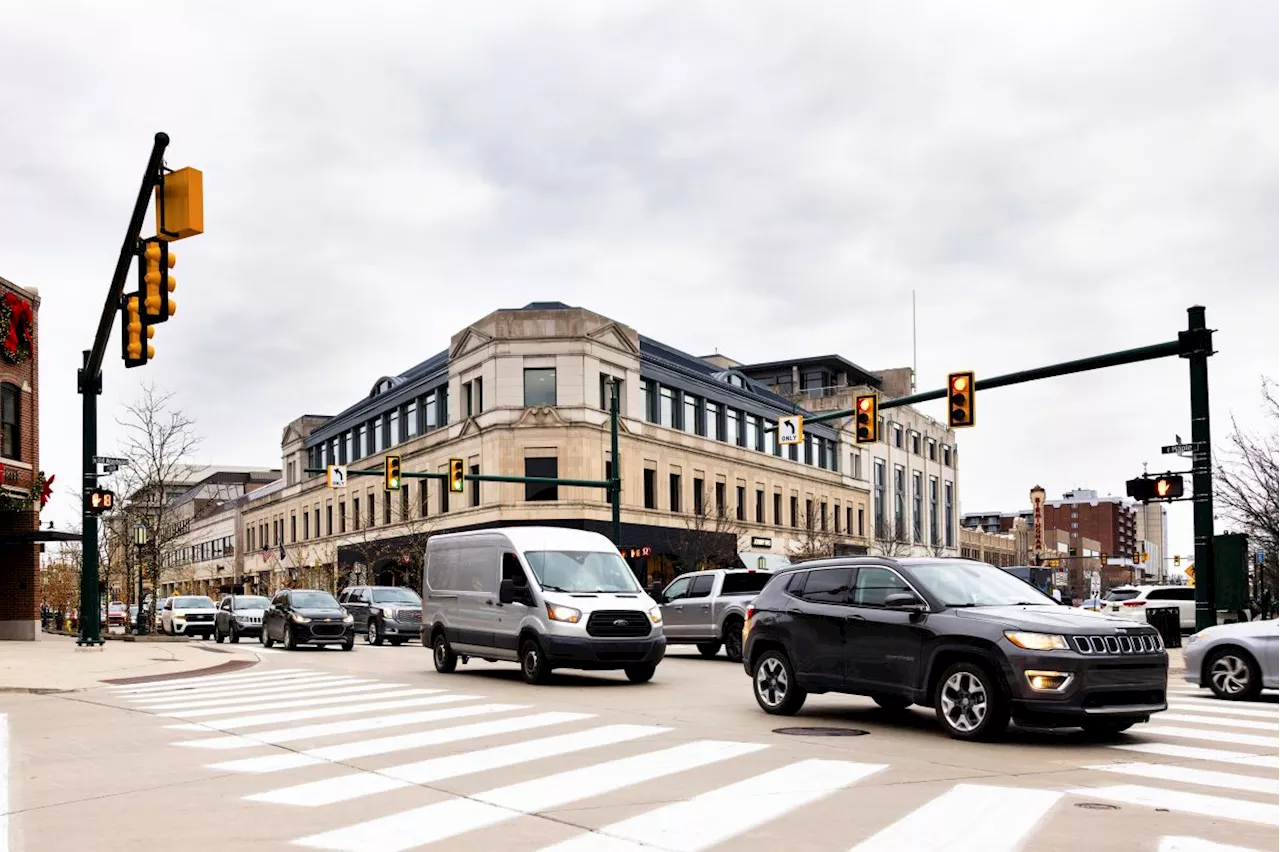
[[791, 429], [336, 476]]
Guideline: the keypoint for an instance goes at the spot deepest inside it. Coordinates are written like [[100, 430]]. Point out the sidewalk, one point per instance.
[[55, 663]]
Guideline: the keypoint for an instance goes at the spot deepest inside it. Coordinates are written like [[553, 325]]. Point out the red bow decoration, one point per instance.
[[47, 492], [21, 316]]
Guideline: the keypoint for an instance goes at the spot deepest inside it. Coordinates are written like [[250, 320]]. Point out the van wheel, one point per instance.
[[969, 703], [446, 661], [533, 665], [708, 649], [642, 673]]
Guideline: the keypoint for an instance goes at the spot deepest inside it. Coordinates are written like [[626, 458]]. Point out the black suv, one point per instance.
[[307, 617], [974, 642]]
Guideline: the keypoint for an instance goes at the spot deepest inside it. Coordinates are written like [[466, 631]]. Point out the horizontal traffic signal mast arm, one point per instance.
[[479, 477]]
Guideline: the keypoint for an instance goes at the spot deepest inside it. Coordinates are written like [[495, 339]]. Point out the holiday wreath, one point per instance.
[[16, 319]]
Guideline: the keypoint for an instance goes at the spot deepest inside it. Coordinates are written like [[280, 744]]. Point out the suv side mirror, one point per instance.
[[906, 601]]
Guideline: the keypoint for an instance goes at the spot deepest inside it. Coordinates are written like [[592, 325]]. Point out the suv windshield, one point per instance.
[[1122, 595], [314, 600], [976, 584], [581, 571], [250, 602], [193, 603], [408, 596]]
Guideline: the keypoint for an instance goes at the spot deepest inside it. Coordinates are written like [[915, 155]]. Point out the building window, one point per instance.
[[897, 435], [317, 520], [915, 443], [857, 464], [946, 455], [306, 527], [777, 510], [666, 406], [933, 511], [328, 518], [478, 390], [379, 427], [713, 427], [753, 432], [933, 450], [771, 441], [697, 496], [822, 453], [404, 503], [759, 505], [835, 517], [808, 449], [444, 495], [393, 424], [606, 392], [690, 419], [809, 522], [429, 412], [361, 443], [386, 507], [650, 488], [539, 386], [822, 515], [899, 501], [466, 399], [917, 500], [475, 485], [795, 511], [879, 508], [411, 419], [733, 424], [541, 467], [722, 510], [650, 401], [674, 494], [742, 503], [422, 498]]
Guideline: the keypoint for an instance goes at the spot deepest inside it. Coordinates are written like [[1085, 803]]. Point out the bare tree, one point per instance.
[[816, 541], [401, 543], [890, 539], [710, 535], [1248, 479]]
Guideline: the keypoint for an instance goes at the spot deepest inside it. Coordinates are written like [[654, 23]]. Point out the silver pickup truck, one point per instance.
[[707, 609]]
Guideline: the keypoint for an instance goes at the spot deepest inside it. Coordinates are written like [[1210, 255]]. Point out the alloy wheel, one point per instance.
[[964, 701], [772, 683], [1230, 674]]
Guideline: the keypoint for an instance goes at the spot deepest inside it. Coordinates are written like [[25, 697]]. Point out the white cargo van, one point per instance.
[[545, 597]]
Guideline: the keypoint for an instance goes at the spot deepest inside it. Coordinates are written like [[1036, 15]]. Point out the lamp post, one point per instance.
[[140, 539]]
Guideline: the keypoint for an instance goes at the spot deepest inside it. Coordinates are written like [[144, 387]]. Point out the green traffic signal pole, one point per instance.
[[89, 384]]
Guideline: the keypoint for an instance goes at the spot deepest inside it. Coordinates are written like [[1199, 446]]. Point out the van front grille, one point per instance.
[[618, 623]]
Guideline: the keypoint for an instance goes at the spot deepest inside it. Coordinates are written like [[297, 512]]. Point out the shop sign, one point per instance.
[[759, 541], [635, 552]]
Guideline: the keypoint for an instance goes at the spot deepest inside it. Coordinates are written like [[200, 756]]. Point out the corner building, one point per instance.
[[525, 392]]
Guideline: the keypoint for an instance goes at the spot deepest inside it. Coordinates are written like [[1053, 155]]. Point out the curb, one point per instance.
[[221, 668]]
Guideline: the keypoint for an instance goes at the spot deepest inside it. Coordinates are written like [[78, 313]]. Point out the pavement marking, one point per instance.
[[1195, 844], [347, 726], [443, 820], [191, 683], [1269, 761], [1248, 724], [1209, 705], [341, 687], [246, 693], [1186, 775], [236, 722], [356, 785], [311, 701], [4, 783], [967, 818], [691, 826], [1217, 807], [1204, 734], [401, 742]]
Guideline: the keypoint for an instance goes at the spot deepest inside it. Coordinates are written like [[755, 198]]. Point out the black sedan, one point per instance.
[[307, 617]]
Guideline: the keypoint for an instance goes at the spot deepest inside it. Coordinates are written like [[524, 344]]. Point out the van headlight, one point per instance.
[[655, 615], [568, 614], [1037, 641]]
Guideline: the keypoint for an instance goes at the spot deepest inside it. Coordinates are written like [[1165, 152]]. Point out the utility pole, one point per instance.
[[615, 481], [1198, 346]]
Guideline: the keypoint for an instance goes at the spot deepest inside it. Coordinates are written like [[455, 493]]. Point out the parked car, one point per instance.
[[708, 608], [384, 612], [977, 644], [188, 615], [545, 597], [307, 617], [157, 623], [1236, 661], [117, 614], [1131, 602], [239, 615]]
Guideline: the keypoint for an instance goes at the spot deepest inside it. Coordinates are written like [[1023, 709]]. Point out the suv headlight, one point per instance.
[[388, 612], [555, 612], [655, 615], [347, 619], [1037, 641], [300, 619]]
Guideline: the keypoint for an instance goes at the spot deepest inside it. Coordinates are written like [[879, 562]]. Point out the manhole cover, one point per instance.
[[820, 732], [1097, 806]]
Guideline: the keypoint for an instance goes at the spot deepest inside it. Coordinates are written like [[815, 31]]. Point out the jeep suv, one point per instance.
[[977, 644]]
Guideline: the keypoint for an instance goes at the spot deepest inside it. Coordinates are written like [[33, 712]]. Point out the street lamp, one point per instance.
[[140, 539]]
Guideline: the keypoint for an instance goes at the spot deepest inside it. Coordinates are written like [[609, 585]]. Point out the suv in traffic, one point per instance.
[[1132, 603], [978, 645], [708, 608], [389, 612]]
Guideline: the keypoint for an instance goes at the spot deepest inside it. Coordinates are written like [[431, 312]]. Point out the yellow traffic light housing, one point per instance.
[[960, 399], [391, 473], [135, 333], [157, 284], [180, 204], [867, 418], [455, 476]]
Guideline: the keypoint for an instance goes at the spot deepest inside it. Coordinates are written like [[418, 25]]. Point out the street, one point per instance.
[[374, 750]]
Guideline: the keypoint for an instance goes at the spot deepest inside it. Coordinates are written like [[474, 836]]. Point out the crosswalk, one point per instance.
[[309, 742]]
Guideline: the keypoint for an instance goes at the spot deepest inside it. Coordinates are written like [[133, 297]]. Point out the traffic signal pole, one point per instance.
[[89, 385], [1197, 343]]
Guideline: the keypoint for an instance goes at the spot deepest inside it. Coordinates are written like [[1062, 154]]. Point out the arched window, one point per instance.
[[10, 410]]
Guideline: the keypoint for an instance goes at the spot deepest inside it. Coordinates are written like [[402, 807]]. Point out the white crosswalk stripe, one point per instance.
[[1205, 777], [256, 720], [1218, 721], [1214, 707], [1210, 735], [995, 819], [341, 688], [1219, 807], [251, 693], [207, 680], [1194, 753], [1195, 844], [311, 701]]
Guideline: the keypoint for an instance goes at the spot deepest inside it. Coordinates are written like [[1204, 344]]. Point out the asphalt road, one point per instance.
[[373, 750]]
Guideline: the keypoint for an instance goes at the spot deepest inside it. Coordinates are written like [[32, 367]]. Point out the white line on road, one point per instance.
[[344, 687], [237, 722], [967, 818], [1269, 761], [357, 785], [1195, 844], [1216, 736], [1211, 706], [248, 693], [347, 726], [1247, 724], [443, 820], [1185, 775], [400, 742], [180, 684], [310, 701], [1159, 798], [692, 826]]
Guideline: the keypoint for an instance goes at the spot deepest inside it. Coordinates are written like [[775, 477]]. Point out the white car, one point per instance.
[[1131, 602], [188, 615]]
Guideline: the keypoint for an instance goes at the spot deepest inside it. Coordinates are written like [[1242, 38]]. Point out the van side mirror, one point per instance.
[[509, 592], [905, 601]]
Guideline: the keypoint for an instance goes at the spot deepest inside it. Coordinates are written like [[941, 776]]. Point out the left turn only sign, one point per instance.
[[336, 476]]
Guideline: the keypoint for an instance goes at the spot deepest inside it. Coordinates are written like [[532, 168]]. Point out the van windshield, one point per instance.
[[581, 571]]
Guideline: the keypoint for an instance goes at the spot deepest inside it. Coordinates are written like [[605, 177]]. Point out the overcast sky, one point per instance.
[[765, 180]]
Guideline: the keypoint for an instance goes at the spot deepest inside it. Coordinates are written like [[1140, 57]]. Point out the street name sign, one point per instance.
[[1170, 449]]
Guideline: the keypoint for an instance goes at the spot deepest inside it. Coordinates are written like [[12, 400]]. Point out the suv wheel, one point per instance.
[[708, 649], [217, 635], [775, 686], [733, 639], [1233, 675], [265, 638], [290, 641], [446, 661], [641, 673], [969, 703], [533, 665], [235, 634], [372, 634]]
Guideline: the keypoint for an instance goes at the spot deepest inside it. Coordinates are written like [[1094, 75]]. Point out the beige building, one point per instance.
[[999, 549]]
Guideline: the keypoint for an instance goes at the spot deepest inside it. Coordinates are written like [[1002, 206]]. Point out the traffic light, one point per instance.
[[867, 422], [135, 333], [157, 283], [1145, 489], [391, 474], [1177, 561], [455, 476], [101, 500], [960, 399], [180, 204]]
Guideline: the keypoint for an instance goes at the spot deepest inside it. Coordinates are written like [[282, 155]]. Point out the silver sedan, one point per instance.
[[1236, 661]]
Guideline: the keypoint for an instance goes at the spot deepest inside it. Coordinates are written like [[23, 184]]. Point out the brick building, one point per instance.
[[20, 477]]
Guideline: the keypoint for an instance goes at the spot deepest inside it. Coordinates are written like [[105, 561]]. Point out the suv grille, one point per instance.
[[617, 623], [1131, 643]]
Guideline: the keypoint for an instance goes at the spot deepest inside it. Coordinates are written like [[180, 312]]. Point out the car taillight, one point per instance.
[[750, 612], [1135, 603]]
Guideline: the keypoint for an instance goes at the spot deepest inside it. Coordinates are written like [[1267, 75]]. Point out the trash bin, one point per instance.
[[1168, 621]]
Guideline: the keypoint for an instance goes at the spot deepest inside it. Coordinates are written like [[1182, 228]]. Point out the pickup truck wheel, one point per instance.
[[708, 649], [733, 639], [969, 703]]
